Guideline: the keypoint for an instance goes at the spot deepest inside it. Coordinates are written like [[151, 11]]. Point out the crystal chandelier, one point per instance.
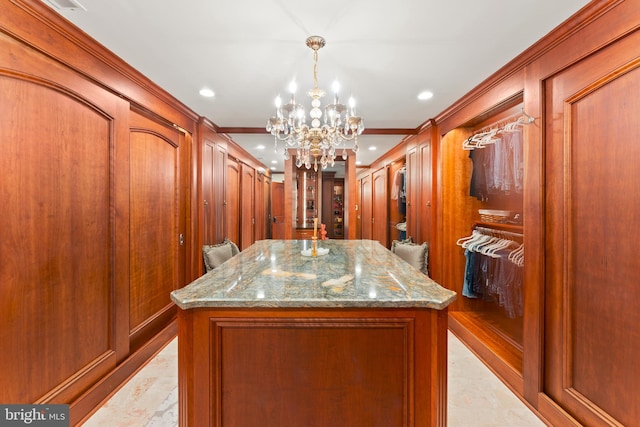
[[316, 143]]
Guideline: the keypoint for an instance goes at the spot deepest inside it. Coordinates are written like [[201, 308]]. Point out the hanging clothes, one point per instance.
[[399, 189], [494, 271], [498, 168]]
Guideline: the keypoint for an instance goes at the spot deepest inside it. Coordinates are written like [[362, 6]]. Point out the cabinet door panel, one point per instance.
[[380, 207], [247, 207], [232, 202], [366, 208], [63, 275], [592, 337], [157, 219], [424, 198]]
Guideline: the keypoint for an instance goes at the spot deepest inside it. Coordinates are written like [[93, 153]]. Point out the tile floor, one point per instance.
[[476, 397]]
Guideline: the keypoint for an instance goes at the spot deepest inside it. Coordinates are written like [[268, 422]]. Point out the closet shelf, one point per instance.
[[499, 226]]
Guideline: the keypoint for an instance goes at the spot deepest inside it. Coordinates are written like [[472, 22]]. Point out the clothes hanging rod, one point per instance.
[[497, 232], [523, 118]]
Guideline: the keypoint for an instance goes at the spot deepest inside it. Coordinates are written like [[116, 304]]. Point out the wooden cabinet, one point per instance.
[[232, 200], [95, 205], [247, 206], [333, 205], [366, 206], [214, 160], [591, 312], [337, 209], [308, 185], [65, 228], [158, 223], [380, 201]]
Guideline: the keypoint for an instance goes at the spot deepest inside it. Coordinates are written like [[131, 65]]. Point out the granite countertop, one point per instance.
[[273, 273]]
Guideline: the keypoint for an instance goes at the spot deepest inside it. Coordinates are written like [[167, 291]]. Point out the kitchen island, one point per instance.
[[353, 338]]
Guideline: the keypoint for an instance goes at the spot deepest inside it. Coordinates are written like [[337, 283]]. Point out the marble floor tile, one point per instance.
[[476, 397]]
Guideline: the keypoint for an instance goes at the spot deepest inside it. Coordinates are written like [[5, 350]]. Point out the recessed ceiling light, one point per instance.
[[275, 162], [207, 93], [273, 168], [71, 5], [425, 95], [260, 147], [358, 162], [372, 148]]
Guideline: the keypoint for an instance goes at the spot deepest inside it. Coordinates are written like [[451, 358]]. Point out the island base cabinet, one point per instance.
[[315, 367]]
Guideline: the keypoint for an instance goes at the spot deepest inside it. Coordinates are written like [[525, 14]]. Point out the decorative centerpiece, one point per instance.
[[315, 250]]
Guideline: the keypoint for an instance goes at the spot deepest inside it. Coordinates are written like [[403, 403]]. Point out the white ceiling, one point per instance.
[[383, 53]]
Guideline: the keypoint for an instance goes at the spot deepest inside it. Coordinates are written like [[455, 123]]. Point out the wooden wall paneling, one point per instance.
[[358, 203], [214, 171], [158, 235], [533, 210], [380, 206], [458, 210], [64, 246], [366, 209], [266, 209], [220, 192], [208, 195], [247, 206], [290, 209], [232, 200], [425, 189], [351, 199], [591, 316], [260, 213], [413, 190], [277, 209]]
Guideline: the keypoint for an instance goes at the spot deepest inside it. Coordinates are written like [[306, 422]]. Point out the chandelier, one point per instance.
[[316, 143]]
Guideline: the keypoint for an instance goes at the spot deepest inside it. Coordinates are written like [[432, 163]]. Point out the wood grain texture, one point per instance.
[[61, 250], [591, 314], [232, 200], [247, 206], [380, 201], [157, 212], [366, 207], [313, 367]]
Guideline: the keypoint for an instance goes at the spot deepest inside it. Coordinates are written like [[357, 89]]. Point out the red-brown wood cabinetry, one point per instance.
[[591, 314]]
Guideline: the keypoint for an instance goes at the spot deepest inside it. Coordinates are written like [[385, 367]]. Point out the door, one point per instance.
[[247, 207], [366, 208], [380, 220], [158, 231], [422, 183], [232, 200], [277, 210], [208, 194], [259, 212], [592, 321]]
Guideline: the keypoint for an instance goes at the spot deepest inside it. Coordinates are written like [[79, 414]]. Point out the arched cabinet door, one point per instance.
[[592, 338], [64, 194], [158, 184]]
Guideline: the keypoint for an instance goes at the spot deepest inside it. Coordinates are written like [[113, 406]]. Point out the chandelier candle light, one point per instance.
[[317, 143]]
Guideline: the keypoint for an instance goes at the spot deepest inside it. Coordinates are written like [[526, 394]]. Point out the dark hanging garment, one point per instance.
[[478, 186]]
